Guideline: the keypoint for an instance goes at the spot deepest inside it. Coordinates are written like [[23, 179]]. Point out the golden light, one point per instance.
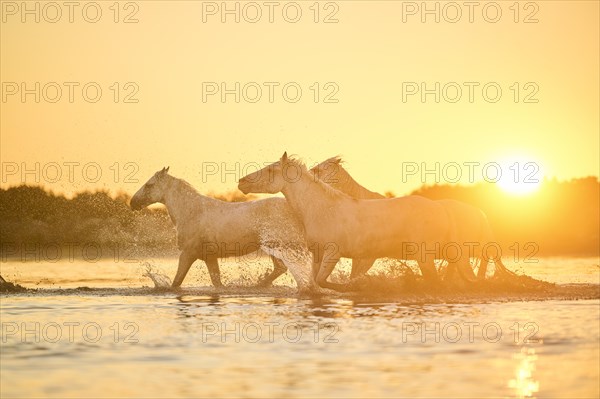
[[524, 383], [520, 176]]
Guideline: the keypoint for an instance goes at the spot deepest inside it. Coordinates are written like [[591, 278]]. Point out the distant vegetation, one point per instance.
[[562, 218], [31, 215]]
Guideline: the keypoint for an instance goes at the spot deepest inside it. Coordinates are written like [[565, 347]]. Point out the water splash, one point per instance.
[[160, 280], [295, 257], [7, 286]]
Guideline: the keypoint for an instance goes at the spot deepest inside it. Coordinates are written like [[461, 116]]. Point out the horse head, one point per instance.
[[151, 192], [271, 179], [332, 172]]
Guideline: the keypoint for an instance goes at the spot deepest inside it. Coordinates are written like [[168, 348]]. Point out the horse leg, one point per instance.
[[213, 270], [325, 271], [465, 270], [278, 269], [483, 265], [450, 271], [316, 265], [360, 267], [186, 259], [428, 271], [501, 270], [327, 266]]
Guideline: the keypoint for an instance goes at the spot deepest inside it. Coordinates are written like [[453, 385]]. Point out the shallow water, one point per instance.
[[119, 337]]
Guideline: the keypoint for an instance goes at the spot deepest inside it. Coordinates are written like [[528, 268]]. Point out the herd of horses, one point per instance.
[[324, 215]]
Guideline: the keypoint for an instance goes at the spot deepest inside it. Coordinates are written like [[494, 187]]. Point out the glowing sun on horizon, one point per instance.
[[520, 176]]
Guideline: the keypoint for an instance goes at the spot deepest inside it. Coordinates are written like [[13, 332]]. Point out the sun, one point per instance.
[[520, 176]]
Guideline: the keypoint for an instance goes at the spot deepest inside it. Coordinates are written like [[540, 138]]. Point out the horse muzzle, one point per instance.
[[243, 187], [136, 204]]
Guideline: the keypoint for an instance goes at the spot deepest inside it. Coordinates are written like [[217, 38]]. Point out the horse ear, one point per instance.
[[284, 158], [167, 169]]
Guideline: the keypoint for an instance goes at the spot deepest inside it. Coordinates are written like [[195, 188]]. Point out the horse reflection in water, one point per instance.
[[359, 229], [209, 229]]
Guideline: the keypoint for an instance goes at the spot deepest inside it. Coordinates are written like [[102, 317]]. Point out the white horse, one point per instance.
[[337, 225], [328, 172], [473, 231], [208, 229]]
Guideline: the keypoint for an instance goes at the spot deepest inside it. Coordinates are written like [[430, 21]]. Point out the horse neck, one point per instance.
[[365, 193], [308, 197], [354, 189], [181, 199]]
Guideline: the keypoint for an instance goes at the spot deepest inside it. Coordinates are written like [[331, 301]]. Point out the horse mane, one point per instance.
[[185, 188], [335, 159], [183, 184], [350, 186], [326, 188]]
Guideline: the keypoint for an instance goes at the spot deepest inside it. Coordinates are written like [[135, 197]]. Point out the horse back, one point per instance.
[[386, 225]]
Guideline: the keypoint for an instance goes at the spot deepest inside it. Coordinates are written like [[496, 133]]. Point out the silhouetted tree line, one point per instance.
[[31, 215], [561, 218]]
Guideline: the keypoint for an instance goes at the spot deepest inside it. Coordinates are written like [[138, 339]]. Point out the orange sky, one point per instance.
[[369, 55]]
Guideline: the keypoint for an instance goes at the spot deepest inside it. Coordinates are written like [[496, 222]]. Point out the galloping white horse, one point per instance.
[[337, 225], [327, 171], [471, 224], [209, 229]]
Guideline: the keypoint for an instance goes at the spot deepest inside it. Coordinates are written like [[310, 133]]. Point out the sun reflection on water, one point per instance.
[[524, 385]]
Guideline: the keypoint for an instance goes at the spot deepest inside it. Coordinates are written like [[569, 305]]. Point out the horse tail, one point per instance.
[[488, 237]]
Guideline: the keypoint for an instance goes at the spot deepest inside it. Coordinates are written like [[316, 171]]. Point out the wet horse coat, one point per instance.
[[472, 229], [209, 229], [337, 225]]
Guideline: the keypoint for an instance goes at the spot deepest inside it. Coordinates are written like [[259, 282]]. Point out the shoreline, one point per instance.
[[561, 292]]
